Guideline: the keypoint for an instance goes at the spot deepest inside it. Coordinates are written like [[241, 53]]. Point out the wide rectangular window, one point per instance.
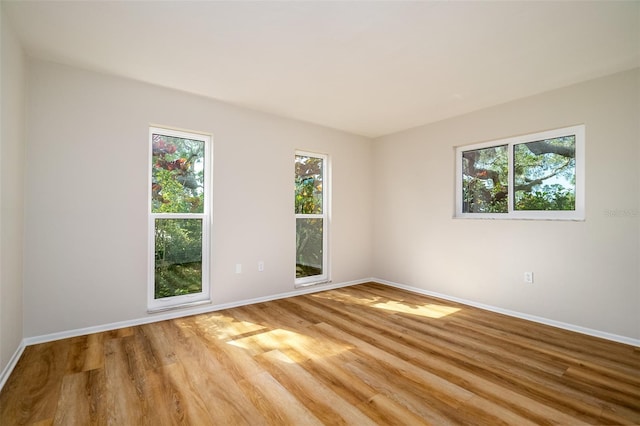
[[536, 176], [178, 218], [312, 218]]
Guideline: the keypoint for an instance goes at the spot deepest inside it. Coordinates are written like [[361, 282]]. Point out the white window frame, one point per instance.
[[174, 302], [578, 214], [325, 216]]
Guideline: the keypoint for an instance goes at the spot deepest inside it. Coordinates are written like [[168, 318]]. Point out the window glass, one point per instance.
[[545, 174], [177, 175], [308, 185], [485, 180], [178, 257], [308, 247]]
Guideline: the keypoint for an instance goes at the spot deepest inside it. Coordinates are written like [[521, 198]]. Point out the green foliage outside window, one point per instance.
[[545, 174], [178, 257], [544, 177], [308, 201], [177, 187], [485, 180], [308, 247], [177, 175], [308, 185]]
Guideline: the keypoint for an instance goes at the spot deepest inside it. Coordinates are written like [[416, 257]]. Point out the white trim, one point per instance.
[[8, 369], [167, 315], [516, 314]]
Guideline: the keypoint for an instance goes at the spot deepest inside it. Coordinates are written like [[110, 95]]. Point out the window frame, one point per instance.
[[325, 216], [576, 215], [204, 296]]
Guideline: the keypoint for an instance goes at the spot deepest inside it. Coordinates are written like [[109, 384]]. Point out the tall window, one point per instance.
[[537, 176], [178, 218], [312, 213]]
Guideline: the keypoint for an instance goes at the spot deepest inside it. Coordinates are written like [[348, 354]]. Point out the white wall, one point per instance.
[[85, 217], [586, 273], [12, 91], [86, 197]]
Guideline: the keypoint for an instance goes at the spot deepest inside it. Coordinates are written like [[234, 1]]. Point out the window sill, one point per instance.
[[313, 283], [179, 306]]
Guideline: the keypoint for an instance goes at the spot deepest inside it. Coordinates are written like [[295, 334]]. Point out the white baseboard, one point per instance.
[[200, 309], [8, 369], [541, 320], [300, 291]]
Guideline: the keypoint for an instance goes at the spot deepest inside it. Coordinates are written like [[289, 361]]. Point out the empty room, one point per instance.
[[319, 212]]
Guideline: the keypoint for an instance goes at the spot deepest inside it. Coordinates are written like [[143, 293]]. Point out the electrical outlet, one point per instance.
[[261, 266], [238, 268], [528, 277]]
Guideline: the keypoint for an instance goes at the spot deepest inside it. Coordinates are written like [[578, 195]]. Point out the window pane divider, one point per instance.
[[179, 215]]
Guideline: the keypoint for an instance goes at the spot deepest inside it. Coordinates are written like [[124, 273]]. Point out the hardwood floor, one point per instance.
[[367, 354]]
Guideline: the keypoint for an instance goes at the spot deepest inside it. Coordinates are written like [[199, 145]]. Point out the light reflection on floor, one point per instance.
[[280, 339], [259, 339], [429, 310]]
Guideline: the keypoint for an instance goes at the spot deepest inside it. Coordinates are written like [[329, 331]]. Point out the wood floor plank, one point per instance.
[[582, 404], [179, 396], [74, 402], [470, 356], [624, 370], [122, 387], [31, 393], [385, 411], [214, 386], [437, 387], [325, 404], [411, 397], [278, 405], [365, 354], [603, 352], [94, 354]]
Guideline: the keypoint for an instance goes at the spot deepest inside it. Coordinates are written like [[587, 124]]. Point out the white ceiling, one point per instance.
[[369, 68]]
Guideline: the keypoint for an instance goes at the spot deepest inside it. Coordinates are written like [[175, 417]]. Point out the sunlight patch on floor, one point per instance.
[[344, 297], [280, 339], [429, 310], [225, 327]]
